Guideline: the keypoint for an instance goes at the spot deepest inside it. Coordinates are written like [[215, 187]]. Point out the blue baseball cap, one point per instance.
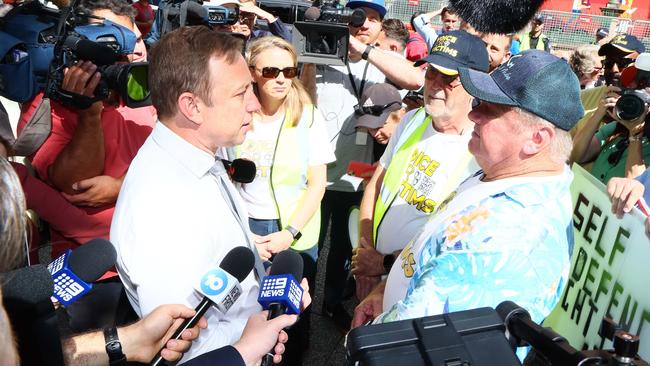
[[622, 43], [533, 80], [378, 5]]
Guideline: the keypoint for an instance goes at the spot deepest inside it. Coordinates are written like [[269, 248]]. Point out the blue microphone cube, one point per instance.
[[67, 286], [282, 289]]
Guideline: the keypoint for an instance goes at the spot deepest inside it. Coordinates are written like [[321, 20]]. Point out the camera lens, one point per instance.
[[629, 107]]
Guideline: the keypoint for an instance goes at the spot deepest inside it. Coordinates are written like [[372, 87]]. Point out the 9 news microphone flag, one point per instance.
[[280, 293], [75, 270]]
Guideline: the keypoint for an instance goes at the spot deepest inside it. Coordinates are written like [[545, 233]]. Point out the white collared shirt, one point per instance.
[[171, 225]]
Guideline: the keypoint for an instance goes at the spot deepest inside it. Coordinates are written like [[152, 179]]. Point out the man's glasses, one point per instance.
[[432, 73], [273, 72], [375, 110], [622, 62]]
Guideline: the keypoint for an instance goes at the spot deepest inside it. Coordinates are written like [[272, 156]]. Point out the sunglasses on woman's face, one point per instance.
[[273, 72]]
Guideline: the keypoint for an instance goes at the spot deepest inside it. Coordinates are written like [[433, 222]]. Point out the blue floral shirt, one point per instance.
[[513, 244]]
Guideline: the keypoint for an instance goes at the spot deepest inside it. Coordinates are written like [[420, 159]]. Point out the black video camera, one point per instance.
[[38, 43], [322, 38]]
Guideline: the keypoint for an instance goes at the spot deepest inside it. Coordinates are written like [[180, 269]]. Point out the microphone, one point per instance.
[[312, 13], [88, 50], [26, 296], [196, 14], [219, 287], [357, 18], [280, 293], [240, 170], [75, 270], [497, 16]]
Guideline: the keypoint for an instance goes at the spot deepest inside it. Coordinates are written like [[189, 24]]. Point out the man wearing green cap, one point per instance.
[[506, 232]]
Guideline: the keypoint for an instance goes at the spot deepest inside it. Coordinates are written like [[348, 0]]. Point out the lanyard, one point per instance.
[[358, 92]]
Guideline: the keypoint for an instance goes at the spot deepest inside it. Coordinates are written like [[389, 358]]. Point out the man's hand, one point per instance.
[[624, 193], [263, 251], [365, 284], [250, 7], [277, 241], [261, 336], [366, 260], [370, 308], [95, 192], [142, 340], [82, 79], [356, 49]]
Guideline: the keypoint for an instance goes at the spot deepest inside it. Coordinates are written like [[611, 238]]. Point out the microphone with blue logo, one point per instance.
[[75, 270], [280, 292], [219, 287]]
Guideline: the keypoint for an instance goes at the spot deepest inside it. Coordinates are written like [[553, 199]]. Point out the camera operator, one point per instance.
[[249, 12], [339, 89], [87, 154], [620, 147]]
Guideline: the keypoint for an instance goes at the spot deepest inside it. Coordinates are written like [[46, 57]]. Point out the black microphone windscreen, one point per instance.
[[288, 261], [87, 50], [196, 13], [358, 17], [497, 16], [28, 285], [91, 260], [238, 262], [243, 170], [312, 13]]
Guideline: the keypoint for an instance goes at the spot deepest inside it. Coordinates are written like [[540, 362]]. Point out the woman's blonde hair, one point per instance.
[[297, 97]]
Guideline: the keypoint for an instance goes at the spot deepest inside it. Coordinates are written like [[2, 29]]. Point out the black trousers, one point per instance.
[[335, 212]]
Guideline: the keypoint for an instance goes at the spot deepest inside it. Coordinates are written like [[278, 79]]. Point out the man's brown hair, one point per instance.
[[180, 63]]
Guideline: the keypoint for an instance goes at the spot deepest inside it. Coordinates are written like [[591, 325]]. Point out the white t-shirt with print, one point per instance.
[[434, 162], [259, 147]]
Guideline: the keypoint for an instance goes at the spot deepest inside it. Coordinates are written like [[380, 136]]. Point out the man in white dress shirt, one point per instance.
[[172, 223]]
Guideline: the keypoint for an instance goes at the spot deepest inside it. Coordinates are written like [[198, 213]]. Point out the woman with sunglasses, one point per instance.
[[289, 145], [620, 148]]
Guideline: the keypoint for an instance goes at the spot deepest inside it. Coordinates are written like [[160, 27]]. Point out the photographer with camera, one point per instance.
[[249, 12], [620, 148], [87, 153], [337, 91]]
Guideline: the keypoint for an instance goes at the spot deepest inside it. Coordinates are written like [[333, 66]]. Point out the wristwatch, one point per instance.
[[114, 347], [389, 259], [365, 53], [294, 232]]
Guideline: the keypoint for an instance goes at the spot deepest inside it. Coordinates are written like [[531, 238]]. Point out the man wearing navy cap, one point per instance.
[[425, 160], [339, 90], [506, 232], [619, 53]]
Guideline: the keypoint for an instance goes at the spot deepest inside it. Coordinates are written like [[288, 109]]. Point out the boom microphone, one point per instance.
[[75, 270], [280, 292], [219, 287], [497, 16], [26, 296], [240, 170]]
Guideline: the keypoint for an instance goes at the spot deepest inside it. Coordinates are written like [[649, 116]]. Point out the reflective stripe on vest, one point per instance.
[[289, 176], [393, 177]]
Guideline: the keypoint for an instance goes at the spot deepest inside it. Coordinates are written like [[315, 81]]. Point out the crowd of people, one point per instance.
[[444, 141]]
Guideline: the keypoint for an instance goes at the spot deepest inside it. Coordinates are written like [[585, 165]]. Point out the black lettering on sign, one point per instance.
[[592, 309], [581, 261], [603, 284], [618, 246], [645, 318], [625, 321], [577, 306], [591, 225], [591, 270], [613, 300], [578, 219]]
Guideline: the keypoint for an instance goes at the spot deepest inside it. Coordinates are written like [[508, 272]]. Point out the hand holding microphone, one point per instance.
[[280, 292], [219, 287]]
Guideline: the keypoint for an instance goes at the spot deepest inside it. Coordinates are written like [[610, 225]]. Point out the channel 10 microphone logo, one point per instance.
[[214, 282]]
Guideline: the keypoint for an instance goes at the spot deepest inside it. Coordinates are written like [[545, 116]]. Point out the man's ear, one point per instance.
[[541, 137], [190, 107]]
